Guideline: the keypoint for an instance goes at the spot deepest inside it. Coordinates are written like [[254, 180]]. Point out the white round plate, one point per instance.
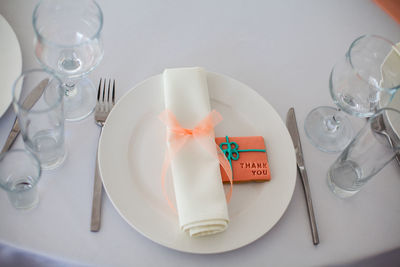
[[10, 63], [131, 151]]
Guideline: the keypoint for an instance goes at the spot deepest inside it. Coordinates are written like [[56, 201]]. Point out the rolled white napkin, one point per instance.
[[199, 192]]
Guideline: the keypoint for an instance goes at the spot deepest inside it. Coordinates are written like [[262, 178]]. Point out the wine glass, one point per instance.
[[360, 83], [68, 42]]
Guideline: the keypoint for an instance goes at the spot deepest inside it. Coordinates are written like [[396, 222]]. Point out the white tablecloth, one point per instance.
[[282, 49]]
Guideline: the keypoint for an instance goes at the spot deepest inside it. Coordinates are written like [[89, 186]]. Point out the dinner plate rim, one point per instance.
[[11, 69]]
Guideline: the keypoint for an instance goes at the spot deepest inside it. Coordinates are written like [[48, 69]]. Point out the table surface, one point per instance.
[[282, 49]]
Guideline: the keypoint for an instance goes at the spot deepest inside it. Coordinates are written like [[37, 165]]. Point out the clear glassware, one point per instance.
[[68, 42], [358, 85], [42, 125], [19, 175], [371, 149]]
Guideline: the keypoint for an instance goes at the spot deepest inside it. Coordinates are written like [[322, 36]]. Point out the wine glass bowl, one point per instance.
[[351, 93], [356, 82], [359, 84], [68, 42]]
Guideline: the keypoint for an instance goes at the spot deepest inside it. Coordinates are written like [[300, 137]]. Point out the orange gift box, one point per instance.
[[247, 157]]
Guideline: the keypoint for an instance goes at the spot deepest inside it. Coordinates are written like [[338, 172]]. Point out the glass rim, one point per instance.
[[29, 154], [47, 109], [348, 55], [47, 41]]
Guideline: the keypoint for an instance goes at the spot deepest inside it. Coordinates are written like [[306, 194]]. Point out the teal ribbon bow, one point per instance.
[[232, 150]]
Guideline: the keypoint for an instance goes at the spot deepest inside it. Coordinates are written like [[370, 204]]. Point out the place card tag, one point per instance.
[[248, 158]]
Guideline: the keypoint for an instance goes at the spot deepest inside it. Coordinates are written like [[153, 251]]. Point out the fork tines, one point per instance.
[[101, 94]]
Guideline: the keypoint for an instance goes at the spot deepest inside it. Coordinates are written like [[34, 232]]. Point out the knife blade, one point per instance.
[[30, 100], [291, 124]]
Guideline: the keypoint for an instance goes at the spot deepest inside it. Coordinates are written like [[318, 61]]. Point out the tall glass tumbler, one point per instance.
[[41, 122], [375, 145]]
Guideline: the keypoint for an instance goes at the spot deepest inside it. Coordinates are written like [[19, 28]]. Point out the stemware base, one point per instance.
[[79, 99], [327, 129], [80, 103]]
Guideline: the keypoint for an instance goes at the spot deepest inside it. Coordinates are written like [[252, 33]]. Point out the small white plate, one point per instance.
[[131, 152], [10, 63]]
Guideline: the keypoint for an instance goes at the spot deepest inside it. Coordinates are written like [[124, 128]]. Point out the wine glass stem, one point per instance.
[[332, 123], [70, 88]]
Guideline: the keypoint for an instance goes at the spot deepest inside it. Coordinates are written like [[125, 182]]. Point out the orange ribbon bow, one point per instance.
[[203, 133]]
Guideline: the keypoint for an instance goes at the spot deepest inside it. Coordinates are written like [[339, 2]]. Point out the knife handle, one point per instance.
[[12, 136], [307, 193], [96, 202]]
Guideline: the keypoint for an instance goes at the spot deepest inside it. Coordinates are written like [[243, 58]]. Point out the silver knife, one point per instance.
[[291, 124], [30, 100]]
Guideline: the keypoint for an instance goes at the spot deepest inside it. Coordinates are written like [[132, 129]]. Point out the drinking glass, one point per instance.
[[19, 175], [68, 42], [359, 85], [370, 150], [42, 125]]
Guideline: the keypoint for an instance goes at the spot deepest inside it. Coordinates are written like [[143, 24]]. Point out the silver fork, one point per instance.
[[105, 102]]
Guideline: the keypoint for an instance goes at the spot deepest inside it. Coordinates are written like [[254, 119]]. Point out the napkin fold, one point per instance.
[[199, 193]]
